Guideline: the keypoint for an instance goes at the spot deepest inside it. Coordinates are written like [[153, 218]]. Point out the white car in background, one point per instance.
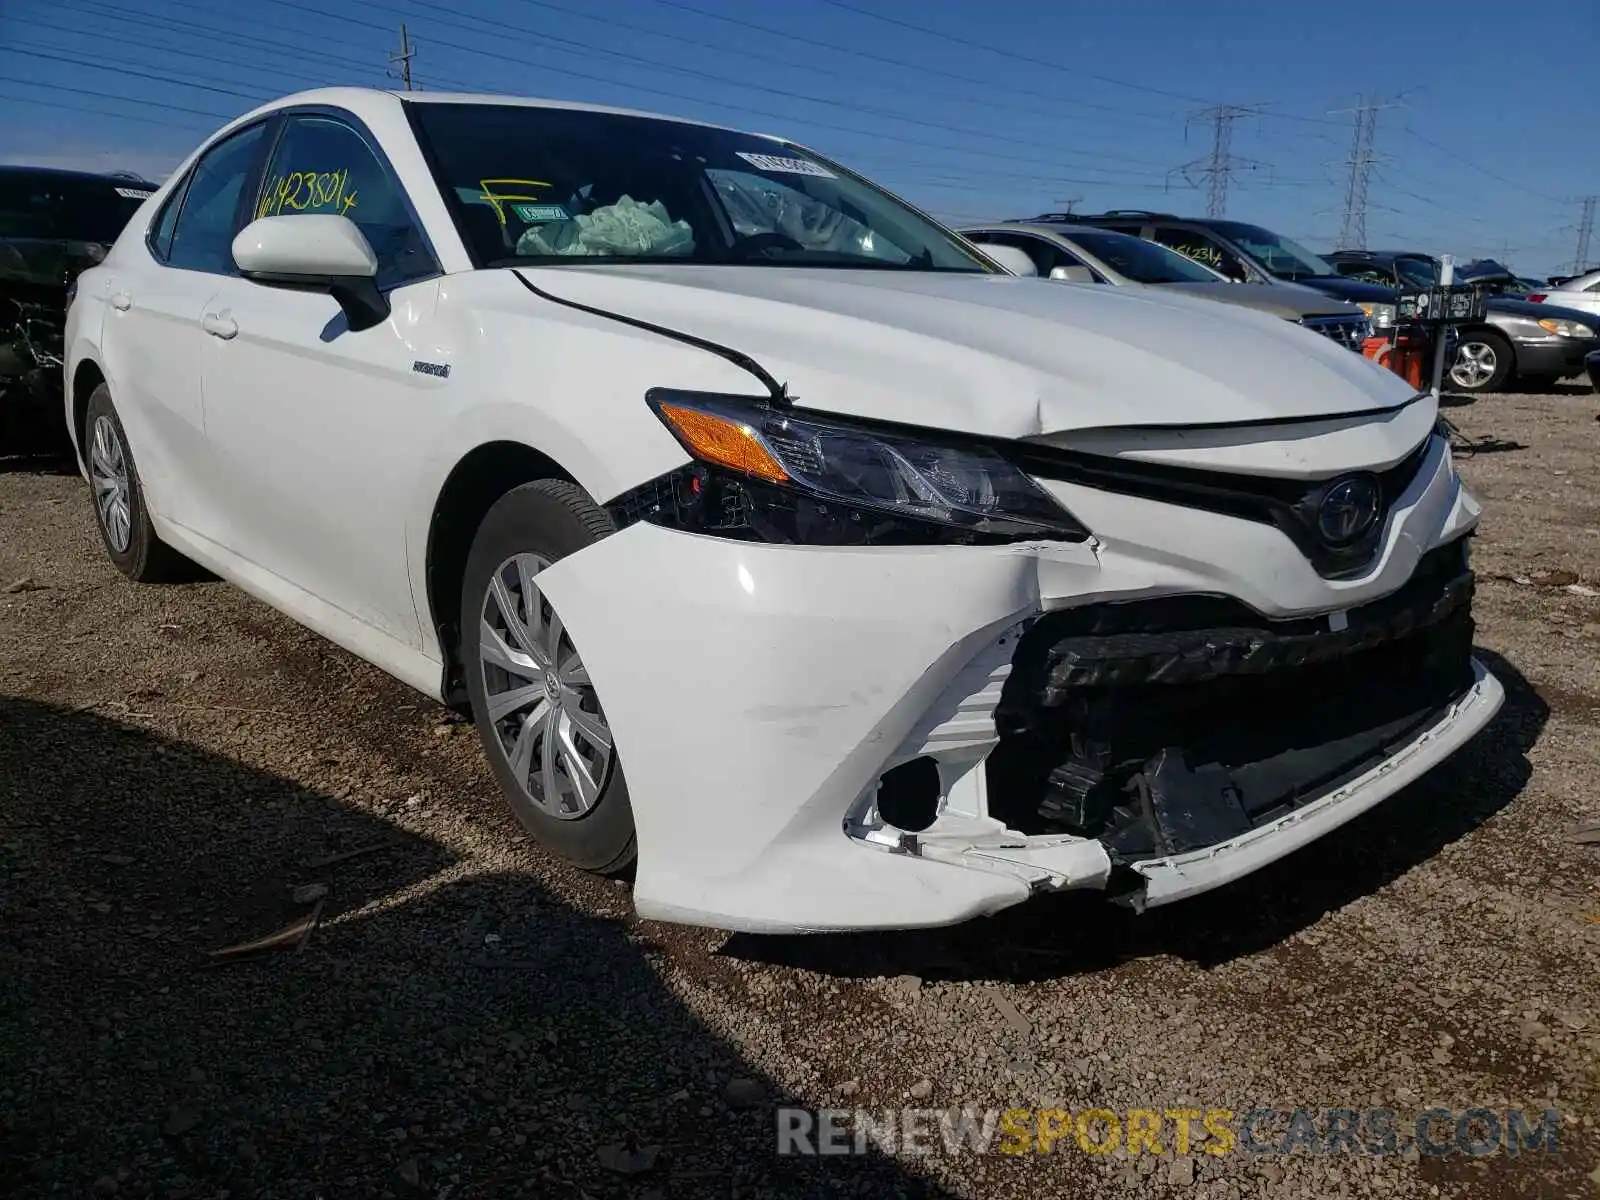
[[1072, 253], [1581, 292], [784, 549]]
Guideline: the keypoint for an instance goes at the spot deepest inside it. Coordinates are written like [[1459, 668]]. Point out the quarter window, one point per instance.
[[322, 165], [202, 238]]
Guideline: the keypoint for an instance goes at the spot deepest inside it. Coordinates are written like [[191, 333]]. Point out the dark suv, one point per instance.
[[53, 225], [1249, 254], [1518, 341]]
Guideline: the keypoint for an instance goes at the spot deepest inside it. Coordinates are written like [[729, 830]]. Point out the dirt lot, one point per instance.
[[471, 1019]]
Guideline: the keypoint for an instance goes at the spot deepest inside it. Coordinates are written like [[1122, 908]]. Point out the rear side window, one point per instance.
[[1046, 255], [1365, 273], [57, 206], [322, 165], [1196, 245], [202, 238]]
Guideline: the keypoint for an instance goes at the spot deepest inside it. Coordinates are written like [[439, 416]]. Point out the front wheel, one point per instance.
[[536, 708], [1483, 363]]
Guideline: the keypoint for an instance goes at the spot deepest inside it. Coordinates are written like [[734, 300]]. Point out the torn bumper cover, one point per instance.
[[1178, 731], [892, 737]]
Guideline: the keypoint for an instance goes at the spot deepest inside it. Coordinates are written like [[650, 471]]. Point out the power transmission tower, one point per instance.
[[404, 57], [1353, 227], [1219, 167], [1580, 257]]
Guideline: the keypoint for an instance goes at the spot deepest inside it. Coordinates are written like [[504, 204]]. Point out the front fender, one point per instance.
[[567, 384]]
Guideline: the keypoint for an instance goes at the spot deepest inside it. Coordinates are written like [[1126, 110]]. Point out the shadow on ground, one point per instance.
[[1072, 933], [441, 1033]]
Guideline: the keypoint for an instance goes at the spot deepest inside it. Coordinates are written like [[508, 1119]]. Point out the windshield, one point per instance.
[[1417, 272], [1280, 256], [63, 207], [1142, 261], [551, 185]]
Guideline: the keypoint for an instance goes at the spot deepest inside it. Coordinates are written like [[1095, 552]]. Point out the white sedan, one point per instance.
[[787, 552]]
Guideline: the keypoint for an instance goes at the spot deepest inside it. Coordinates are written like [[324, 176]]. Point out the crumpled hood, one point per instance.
[[992, 354]]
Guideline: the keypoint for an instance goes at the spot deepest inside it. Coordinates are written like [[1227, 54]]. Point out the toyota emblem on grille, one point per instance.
[[1349, 509]]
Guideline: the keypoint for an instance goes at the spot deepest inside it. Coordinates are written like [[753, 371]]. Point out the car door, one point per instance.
[[152, 339], [314, 426]]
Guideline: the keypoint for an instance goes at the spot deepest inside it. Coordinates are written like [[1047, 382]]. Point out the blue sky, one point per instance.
[[972, 110]]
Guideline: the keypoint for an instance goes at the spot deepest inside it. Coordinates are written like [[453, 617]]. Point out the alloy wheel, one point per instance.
[[1475, 365], [540, 700], [108, 471]]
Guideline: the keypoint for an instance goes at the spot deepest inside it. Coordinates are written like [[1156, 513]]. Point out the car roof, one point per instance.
[[365, 101], [108, 177], [1579, 282], [1034, 225]]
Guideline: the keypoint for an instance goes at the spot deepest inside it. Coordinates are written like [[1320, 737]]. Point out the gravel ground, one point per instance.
[[472, 1019]]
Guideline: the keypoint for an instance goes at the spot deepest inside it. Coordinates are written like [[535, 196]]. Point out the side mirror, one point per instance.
[[1013, 260], [320, 252], [1072, 274]]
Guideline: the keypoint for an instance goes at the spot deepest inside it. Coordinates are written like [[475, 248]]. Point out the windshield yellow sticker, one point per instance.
[[495, 194], [307, 191]]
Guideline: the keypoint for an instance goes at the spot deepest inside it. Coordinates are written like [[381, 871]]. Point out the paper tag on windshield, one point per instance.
[[534, 213], [785, 166], [134, 193]]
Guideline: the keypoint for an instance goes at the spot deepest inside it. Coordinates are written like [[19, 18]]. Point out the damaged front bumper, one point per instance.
[[825, 738]]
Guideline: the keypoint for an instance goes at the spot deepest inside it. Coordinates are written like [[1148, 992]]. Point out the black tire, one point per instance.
[[145, 558], [1483, 341], [552, 519]]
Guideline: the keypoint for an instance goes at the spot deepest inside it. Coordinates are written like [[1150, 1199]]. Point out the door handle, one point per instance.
[[122, 302], [219, 325]]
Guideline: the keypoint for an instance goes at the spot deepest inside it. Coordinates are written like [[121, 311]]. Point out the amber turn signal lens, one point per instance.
[[727, 443]]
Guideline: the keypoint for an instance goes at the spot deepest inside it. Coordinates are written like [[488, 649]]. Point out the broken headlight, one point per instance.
[[763, 472]]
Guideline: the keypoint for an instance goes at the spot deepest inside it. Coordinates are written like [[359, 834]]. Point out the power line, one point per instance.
[[559, 44], [77, 91], [121, 70], [747, 52], [256, 46], [967, 42], [168, 49], [1219, 167], [743, 110], [868, 56], [1479, 167]]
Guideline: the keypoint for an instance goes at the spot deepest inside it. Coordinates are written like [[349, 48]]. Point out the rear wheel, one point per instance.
[[1483, 363], [538, 714], [119, 507]]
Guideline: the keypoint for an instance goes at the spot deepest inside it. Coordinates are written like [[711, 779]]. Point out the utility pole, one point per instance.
[[1580, 257], [1218, 167], [404, 57], [1068, 205]]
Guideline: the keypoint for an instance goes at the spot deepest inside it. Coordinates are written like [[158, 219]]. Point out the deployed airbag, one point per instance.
[[626, 227]]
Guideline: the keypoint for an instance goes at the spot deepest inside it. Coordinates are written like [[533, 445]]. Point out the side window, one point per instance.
[[1196, 245], [1593, 287], [1044, 255], [322, 165], [1364, 273], [160, 240], [202, 239]]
